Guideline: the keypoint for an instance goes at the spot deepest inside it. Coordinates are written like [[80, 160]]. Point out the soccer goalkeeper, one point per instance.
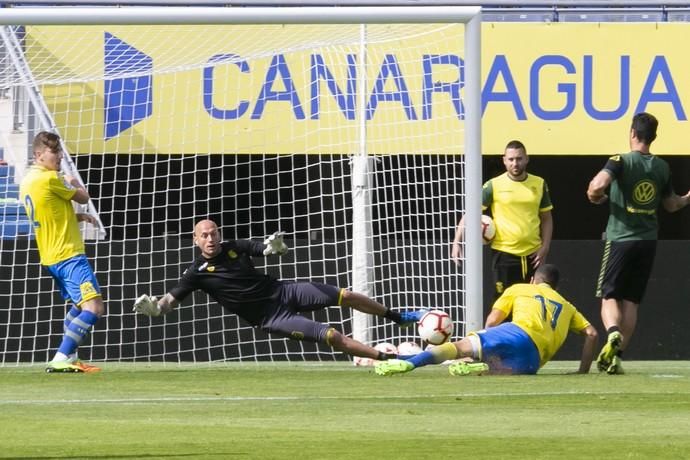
[[226, 272], [540, 325]]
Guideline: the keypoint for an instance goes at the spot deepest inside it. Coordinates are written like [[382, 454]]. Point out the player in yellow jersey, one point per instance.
[[47, 195], [521, 208], [541, 321]]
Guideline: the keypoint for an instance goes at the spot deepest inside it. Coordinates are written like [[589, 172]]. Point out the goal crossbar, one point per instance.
[[214, 15]]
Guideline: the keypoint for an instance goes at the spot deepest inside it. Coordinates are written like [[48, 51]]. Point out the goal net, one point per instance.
[[357, 136]]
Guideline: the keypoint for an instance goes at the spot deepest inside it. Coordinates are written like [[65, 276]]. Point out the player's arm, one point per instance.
[[546, 233], [673, 202], [588, 349], [596, 192], [167, 303], [81, 195], [495, 318], [274, 244], [456, 245], [152, 306]]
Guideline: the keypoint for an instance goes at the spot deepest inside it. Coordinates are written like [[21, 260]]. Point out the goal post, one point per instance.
[[357, 130]]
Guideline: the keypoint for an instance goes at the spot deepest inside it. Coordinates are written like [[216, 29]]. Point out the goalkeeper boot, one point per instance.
[[609, 351], [62, 367], [410, 318], [616, 366], [393, 366], [465, 368]]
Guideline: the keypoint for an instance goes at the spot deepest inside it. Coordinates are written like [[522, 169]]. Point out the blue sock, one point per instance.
[[435, 355], [422, 359], [76, 331], [71, 314]]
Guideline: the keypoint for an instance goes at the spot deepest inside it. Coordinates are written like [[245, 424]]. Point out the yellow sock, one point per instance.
[[444, 352]]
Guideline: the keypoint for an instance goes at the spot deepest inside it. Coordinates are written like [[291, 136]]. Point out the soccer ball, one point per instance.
[[409, 349], [435, 327], [386, 347], [488, 229], [359, 361], [383, 346]]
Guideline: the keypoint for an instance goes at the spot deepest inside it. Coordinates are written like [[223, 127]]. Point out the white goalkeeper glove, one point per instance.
[[147, 305], [275, 245]]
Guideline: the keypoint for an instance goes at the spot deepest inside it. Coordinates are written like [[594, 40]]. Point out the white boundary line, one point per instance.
[[192, 399]]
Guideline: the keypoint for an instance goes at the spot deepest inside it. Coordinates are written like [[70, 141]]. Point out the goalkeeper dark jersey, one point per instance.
[[640, 182], [231, 279]]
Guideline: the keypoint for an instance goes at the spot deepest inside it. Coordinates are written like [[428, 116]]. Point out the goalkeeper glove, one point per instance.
[[147, 305], [275, 245]]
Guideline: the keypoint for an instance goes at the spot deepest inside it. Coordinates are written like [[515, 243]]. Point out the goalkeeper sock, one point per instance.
[[393, 315], [71, 314], [76, 331], [435, 356], [383, 356]]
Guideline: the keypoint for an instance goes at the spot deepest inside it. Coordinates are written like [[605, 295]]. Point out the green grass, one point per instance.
[[337, 411]]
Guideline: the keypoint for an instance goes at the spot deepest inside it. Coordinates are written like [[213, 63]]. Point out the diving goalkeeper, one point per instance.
[[226, 272]]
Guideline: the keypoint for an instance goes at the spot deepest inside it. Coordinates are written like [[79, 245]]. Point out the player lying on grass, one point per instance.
[[541, 321], [226, 272]]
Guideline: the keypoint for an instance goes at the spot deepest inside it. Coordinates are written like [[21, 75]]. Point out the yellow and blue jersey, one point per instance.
[[47, 198], [515, 207], [543, 314]]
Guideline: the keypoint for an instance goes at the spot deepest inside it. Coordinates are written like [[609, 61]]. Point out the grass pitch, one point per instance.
[[337, 411]]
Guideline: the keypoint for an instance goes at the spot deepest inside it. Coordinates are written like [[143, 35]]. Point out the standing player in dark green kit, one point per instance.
[[639, 182]]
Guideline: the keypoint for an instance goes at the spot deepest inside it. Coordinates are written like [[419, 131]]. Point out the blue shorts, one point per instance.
[[75, 279], [294, 298], [508, 348]]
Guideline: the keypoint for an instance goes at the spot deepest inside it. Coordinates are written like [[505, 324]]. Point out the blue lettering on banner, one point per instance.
[[588, 92], [390, 85], [567, 88], [278, 67], [660, 69], [127, 100], [223, 114], [390, 67], [429, 86], [346, 101], [501, 68]]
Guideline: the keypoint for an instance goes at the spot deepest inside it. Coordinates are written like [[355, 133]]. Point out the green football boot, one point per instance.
[[393, 366], [609, 351], [62, 367], [465, 368], [616, 366]]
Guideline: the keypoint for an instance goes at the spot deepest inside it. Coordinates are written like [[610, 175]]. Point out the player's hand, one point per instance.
[[147, 305], [456, 252], [538, 258], [275, 245], [600, 200], [85, 217]]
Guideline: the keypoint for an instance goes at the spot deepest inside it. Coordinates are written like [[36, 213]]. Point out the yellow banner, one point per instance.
[[561, 88], [565, 88]]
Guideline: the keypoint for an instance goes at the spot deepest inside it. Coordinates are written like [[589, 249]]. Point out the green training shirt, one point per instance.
[[640, 182]]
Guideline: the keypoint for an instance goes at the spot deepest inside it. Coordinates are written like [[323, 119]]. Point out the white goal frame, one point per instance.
[[469, 16]]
